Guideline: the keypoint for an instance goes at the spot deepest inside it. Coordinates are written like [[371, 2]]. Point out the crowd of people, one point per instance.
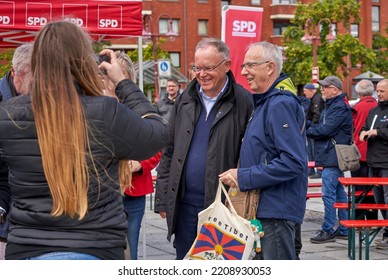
[[78, 145]]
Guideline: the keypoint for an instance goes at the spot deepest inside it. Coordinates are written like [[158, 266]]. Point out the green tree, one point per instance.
[[380, 48], [5, 61], [148, 53], [330, 56]]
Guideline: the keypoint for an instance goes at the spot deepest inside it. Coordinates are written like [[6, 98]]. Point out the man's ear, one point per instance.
[[12, 71], [228, 63]]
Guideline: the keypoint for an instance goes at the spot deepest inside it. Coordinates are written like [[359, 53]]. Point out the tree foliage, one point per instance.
[[5, 61], [342, 54], [148, 53]]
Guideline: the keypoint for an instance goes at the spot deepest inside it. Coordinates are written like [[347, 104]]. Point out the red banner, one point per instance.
[[241, 26], [21, 19]]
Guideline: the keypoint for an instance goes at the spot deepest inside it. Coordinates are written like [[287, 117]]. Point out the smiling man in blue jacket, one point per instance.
[[273, 156]]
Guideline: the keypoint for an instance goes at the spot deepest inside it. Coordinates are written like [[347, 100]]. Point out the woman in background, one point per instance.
[[62, 146]]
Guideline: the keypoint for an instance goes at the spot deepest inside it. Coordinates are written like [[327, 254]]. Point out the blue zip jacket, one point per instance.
[[273, 155], [335, 123]]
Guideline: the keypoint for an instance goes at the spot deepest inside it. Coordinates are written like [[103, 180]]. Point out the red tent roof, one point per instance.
[[20, 20]]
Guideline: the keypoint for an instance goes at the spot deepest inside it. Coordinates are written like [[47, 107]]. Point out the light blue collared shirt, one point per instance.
[[209, 102]]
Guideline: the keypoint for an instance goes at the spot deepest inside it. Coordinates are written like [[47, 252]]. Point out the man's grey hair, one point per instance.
[[271, 52], [365, 88], [21, 58], [221, 46], [124, 60]]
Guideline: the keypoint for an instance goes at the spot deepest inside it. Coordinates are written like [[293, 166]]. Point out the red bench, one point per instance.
[[362, 206], [319, 194], [367, 234]]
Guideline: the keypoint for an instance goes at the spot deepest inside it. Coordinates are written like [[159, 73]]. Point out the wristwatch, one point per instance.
[[2, 215]]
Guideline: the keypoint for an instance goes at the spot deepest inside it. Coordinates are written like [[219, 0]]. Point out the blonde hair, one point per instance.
[[63, 70]]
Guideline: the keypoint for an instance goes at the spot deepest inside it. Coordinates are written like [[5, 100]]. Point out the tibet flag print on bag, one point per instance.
[[222, 233]]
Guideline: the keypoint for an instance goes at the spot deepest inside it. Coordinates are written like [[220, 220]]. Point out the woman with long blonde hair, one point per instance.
[[62, 146]]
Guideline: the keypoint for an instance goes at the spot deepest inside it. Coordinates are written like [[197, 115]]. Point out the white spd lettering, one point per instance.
[[244, 26], [5, 19], [77, 21], [36, 21], [108, 23]]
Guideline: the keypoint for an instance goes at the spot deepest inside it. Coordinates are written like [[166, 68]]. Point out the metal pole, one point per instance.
[[156, 76]]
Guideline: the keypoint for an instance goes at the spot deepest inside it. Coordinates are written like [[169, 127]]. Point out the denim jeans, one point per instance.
[[64, 256], [278, 242], [186, 228], [333, 191], [134, 207]]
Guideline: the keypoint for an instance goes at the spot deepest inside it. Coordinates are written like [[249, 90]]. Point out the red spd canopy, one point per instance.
[[20, 20]]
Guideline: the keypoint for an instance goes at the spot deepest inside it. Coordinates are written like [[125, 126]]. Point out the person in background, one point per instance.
[[15, 82], [273, 156], [71, 138], [365, 89], [141, 182], [312, 117], [334, 126], [166, 103], [206, 128], [375, 131]]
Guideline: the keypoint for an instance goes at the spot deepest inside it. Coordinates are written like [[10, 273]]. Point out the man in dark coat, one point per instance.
[[273, 156], [313, 113], [335, 126], [206, 127]]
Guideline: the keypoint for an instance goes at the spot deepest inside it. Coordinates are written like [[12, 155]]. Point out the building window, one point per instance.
[[203, 27], [354, 30], [256, 2], [163, 25], [175, 59], [376, 1], [202, 1], [375, 19], [279, 27], [284, 1]]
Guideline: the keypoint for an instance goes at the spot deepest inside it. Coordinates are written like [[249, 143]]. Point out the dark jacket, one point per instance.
[[164, 106], [377, 154], [233, 111], [273, 155], [316, 107], [116, 132], [7, 88], [335, 123]]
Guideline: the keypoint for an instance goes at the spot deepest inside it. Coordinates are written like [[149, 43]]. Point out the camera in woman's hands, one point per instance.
[[103, 57]]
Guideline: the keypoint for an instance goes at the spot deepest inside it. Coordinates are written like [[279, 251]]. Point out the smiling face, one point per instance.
[[211, 81], [259, 72]]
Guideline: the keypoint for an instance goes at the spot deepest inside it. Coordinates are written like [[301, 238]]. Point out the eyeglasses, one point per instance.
[[250, 65], [206, 69]]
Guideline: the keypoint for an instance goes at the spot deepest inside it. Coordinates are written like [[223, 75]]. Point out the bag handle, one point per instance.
[[218, 196]]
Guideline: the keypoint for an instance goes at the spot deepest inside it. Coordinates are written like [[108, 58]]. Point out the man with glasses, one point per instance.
[[165, 104], [207, 124], [334, 126], [273, 157]]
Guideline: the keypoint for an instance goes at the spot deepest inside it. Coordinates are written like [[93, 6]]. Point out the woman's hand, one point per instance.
[[113, 69]]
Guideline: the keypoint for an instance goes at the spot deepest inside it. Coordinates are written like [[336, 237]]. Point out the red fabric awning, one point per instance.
[[20, 20]]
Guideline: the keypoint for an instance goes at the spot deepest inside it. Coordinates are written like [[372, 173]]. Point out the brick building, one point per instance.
[[195, 19]]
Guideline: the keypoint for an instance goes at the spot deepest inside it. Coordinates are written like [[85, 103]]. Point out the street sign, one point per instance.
[[164, 68]]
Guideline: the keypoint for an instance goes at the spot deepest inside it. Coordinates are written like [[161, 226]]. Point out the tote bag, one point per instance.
[[222, 233]]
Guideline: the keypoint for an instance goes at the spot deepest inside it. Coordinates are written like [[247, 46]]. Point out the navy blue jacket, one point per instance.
[[273, 155], [335, 123]]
